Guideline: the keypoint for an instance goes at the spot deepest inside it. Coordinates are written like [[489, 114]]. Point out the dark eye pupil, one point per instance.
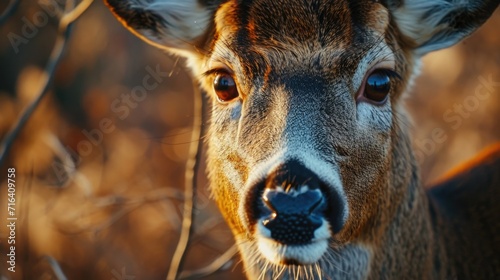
[[378, 86], [225, 87], [223, 83]]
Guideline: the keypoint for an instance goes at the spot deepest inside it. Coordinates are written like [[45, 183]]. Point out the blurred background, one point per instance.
[[100, 165]]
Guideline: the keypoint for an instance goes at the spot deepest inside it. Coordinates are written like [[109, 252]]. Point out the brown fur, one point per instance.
[[294, 63]]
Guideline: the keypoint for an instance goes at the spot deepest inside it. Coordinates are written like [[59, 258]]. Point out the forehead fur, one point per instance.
[[263, 33], [325, 22]]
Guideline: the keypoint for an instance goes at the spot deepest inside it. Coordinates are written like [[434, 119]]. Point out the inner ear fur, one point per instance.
[[438, 24], [179, 26]]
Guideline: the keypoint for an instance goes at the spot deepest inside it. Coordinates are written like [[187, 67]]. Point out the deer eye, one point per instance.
[[378, 85], [225, 87]]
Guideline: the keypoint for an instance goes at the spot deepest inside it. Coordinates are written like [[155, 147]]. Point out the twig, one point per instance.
[[192, 167], [151, 196], [130, 205], [56, 55], [73, 15], [56, 268], [218, 264], [9, 11]]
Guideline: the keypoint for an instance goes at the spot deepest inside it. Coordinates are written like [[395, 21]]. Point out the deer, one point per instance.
[[310, 157]]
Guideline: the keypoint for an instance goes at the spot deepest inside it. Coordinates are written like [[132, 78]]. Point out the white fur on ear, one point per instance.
[[416, 16], [175, 25], [187, 19], [438, 24]]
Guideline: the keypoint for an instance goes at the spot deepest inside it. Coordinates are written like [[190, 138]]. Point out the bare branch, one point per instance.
[[221, 263], [129, 205], [192, 167], [9, 11], [56, 268], [69, 17]]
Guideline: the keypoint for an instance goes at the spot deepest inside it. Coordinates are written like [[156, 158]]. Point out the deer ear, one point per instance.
[[175, 25], [438, 24]]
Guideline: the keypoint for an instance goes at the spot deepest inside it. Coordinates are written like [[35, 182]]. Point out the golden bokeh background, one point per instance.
[[100, 177]]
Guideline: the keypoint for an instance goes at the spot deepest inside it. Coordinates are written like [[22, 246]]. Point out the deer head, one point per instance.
[[309, 159]]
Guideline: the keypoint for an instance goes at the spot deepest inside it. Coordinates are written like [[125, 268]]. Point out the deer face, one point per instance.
[[308, 158], [302, 122]]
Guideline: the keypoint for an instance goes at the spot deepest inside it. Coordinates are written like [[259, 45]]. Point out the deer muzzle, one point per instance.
[[295, 214]]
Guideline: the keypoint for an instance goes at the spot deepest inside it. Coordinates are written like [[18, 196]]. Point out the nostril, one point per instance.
[[319, 206], [268, 197]]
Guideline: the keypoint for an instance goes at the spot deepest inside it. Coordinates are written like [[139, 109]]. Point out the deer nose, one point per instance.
[[295, 215], [292, 205]]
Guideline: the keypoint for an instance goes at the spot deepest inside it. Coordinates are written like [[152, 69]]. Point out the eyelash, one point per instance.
[[393, 75], [214, 72]]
